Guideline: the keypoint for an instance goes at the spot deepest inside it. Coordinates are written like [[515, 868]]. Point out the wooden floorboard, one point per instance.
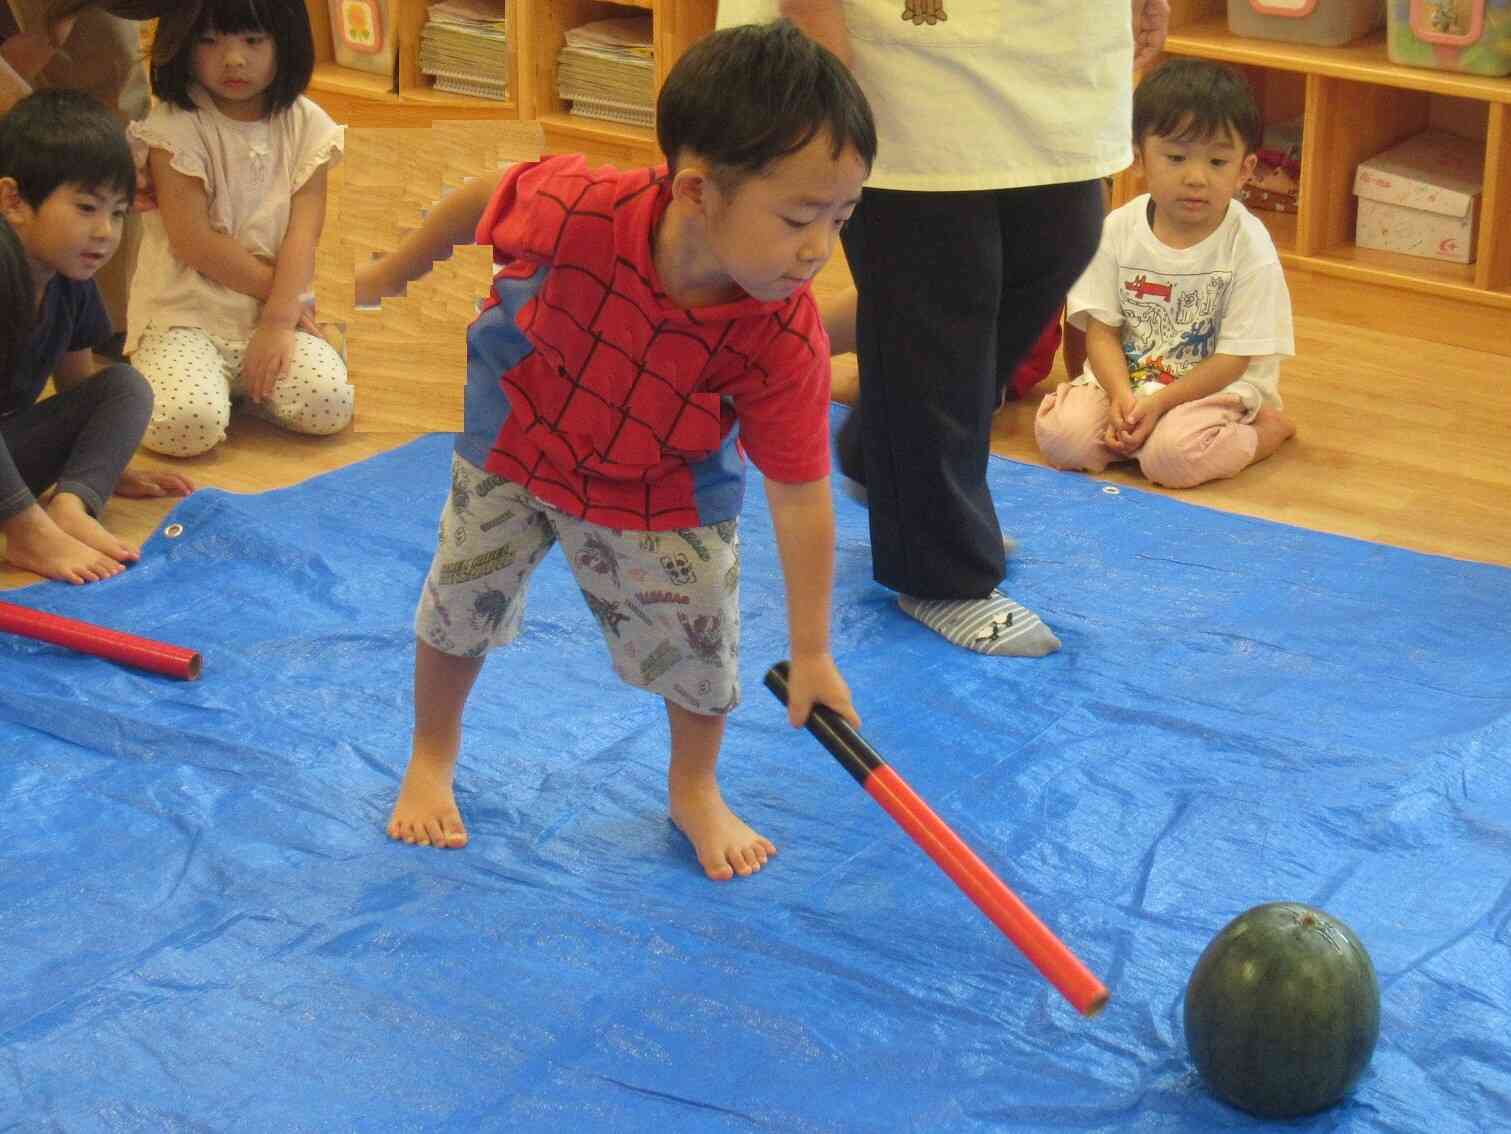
[[1401, 441]]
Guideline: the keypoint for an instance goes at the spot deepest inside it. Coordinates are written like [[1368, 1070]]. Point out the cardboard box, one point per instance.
[[1422, 197]]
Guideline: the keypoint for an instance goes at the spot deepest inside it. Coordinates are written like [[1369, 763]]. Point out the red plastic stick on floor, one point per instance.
[[87, 638], [1006, 910]]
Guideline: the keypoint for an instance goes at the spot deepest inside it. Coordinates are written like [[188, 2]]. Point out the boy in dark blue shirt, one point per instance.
[[66, 180]]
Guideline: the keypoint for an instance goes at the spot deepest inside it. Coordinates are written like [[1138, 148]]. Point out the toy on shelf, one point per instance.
[[1422, 197], [1473, 36], [1276, 183], [1327, 23], [362, 36]]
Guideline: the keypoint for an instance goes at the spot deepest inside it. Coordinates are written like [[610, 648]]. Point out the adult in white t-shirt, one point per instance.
[[996, 121]]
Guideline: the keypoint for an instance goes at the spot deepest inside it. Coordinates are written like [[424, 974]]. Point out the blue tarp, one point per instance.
[[205, 928]]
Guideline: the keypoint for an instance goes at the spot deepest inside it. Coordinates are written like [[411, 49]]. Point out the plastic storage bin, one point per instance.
[[1327, 23], [362, 35], [1452, 35]]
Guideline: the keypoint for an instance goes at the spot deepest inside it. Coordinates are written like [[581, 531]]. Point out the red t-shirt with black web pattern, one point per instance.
[[626, 406]]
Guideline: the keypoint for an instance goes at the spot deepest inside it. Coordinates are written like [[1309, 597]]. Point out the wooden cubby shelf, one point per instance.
[[536, 34], [1364, 61]]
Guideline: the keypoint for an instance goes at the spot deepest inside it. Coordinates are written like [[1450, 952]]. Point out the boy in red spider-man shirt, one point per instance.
[[644, 328]]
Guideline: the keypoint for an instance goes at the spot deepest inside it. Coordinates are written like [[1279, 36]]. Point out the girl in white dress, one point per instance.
[[221, 306]]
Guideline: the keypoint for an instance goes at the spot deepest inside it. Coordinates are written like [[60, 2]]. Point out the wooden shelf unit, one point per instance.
[[1355, 103], [536, 33]]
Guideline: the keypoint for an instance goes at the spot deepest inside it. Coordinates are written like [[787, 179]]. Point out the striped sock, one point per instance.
[[994, 625]]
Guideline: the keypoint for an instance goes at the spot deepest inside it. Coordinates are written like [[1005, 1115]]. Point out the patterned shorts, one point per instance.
[[668, 603]]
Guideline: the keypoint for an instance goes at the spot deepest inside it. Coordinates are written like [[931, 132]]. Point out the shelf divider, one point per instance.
[[1364, 61], [1349, 122], [1494, 268]]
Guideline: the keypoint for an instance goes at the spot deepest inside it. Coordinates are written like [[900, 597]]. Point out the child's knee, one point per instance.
[[130, 395], [318, 410], [186, 429], [126, 384], [331, 409], [315, 398], [1068, 429], [1186, 459]]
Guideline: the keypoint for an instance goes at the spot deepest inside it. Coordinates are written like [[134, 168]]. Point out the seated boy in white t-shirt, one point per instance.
[[1185, 306]]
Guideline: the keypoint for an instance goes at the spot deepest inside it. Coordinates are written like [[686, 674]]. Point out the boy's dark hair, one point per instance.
[[745, 96], [286, 22], [1194, 99], [18, 298], [62, 137]]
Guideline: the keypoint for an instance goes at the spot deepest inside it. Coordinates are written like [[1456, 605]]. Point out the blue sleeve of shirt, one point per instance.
[[91, 322], [72, 317]]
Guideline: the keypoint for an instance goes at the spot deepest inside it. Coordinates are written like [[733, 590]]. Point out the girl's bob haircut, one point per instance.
[[286, 22]]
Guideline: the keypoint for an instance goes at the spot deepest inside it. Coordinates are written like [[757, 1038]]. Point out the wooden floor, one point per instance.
[[1401, 441]]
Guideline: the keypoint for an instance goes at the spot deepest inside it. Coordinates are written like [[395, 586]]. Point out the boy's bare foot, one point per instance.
[[425, 814], [724, 844], [69, 513], [1274, 430], [34, 542]]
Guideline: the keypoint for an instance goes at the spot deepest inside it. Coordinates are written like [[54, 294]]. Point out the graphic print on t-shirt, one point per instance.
[[1170, 322]]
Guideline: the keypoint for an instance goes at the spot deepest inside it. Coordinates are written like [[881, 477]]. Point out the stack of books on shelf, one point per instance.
[[464, 48], [607, 71]]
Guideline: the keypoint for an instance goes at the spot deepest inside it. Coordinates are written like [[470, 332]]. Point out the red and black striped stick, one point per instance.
[[87, 638], [1006, 910]]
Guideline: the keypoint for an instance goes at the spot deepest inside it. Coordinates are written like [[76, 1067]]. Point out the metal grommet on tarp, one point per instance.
[[173, 531], [1111, 489]]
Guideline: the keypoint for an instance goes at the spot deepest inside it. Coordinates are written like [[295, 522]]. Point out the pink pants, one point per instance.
[[1192, 444]]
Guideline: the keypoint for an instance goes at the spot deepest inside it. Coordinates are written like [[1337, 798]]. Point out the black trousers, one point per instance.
[[954, 289], [81, 440]]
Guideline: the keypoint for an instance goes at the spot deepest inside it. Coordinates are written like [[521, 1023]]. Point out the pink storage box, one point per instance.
[[1473, 36], [1327, 23], [1422, 197]]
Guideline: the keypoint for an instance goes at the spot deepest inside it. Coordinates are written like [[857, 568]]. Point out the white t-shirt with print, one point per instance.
[[251, 171], [1001, 95], [1178, 306]]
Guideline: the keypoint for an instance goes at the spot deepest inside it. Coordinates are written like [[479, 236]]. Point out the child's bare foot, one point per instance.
[[425, 814], [724, 844], [34, 542], [147, 484], [69, 513], [1274, 430]]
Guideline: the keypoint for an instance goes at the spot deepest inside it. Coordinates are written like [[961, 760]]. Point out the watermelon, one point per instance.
[[1282, 1010]]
